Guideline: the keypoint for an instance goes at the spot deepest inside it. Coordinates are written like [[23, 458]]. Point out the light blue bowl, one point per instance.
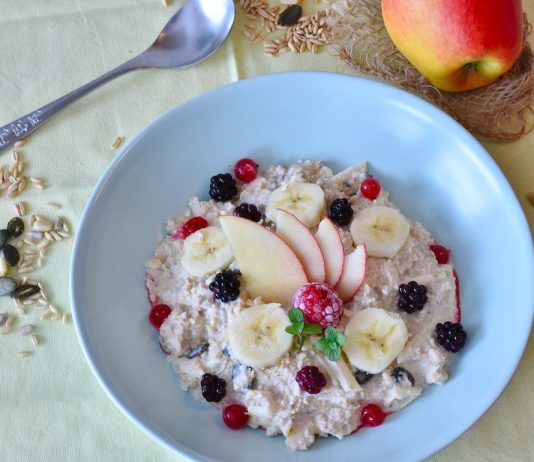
[[436, 172]]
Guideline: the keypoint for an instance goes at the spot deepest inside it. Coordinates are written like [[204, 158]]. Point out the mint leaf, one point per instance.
[[295, 315], [333, 353], [340, 338], [322, 344], [292, 330], [330, 334], [312, 329]]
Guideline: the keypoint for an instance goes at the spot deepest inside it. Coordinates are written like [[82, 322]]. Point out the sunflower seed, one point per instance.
[[26, 330], [7, 285], [37, 235], [4, 236], [24, 291], [197, 351]]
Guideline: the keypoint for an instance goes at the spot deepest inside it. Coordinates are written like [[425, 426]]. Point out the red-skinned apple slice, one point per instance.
[[331, 247], [353, 273], [270, 269], [303, 243]]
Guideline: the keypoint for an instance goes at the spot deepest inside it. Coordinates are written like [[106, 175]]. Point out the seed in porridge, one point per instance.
[[372, 415], [15, 227], [11, 254], [245, 170], [25, 291], [213, 388], [7, 285], [248, 211], [363, 377], [190, 226], [451, 336], [340, 211], [319, 304], [310, 379], [222, 187], [158, 314], [4, 236], [412, 297], [197, 351], [370, 188], [402, 376], [442, 253], [225, 286], [290, 15], [235, 416]]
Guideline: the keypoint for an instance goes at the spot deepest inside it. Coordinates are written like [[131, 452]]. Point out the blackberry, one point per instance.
[[222, 187], [340, 211], [362, 377], [248, 211], [213, 388], [402, 376], [225, 286], [310, 379], [451, 336], [412, 297]]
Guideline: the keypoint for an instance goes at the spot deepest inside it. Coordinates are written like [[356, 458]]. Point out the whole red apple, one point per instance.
[[456, 44]]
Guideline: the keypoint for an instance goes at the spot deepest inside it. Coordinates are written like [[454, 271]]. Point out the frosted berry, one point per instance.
[[222, 187], [235, 416], [213, 388], [248, 211], [340, 211], [245, 170], [190, 226], [319, 304], [158, 314], [372, 415], [451, 336], [370, 188], [442, 253], [310, 379]]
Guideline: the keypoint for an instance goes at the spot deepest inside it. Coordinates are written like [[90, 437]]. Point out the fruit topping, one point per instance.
[[442, 253], [304, 200], [372, 415], [451, 336], [354, 267], [213, 388], [383, 230], [245, 170], [340, 211], [319, 304], [402, 376], [310, 379], [362, 377], [235, 416], [158, 314], [412, 297], [370, 188], [331, 246], [190, 226], [15, 227], [225, 286], [248, 211], [222, 187], [375, 338]]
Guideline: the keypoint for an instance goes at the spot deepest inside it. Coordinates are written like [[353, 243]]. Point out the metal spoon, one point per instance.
[[195, 31]]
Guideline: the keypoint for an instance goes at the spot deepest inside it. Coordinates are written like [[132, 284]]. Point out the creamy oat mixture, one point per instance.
[[195, 334]]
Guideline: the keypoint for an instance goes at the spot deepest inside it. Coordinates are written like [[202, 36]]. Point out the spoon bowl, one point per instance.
[[193, 33]]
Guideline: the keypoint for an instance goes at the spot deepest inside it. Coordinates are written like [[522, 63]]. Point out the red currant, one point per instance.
[[246, 170], [442, 254], [235, 416], [190, 226], [370, 188], [158, 314], [372, 415]]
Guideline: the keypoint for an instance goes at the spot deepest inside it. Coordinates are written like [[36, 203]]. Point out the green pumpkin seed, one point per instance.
[[11, 254], [25, 291], [290, 15], [15, 227], [7, 285]]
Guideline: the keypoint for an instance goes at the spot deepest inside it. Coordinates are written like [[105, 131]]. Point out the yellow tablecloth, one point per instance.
[[51, 406]]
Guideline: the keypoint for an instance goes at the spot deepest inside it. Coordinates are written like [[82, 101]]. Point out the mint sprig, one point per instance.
[[300, 329], [331, 343]]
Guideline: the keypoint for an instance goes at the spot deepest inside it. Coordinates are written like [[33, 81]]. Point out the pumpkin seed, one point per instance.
[[25, 291], [11, 254], [197, 351], [15, 227], [7, 285], [4, 236], [290, 15]]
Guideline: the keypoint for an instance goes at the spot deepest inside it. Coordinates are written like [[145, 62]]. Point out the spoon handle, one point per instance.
[[20, 128]]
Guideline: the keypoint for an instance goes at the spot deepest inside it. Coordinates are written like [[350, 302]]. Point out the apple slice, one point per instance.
[[298, 237], [353, 273], [270, 268], [331, 247]]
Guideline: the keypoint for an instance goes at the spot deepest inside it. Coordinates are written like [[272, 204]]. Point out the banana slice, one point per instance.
[[382, 229], [304, 200], [206, 251], [258, 337], [375, 338]]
